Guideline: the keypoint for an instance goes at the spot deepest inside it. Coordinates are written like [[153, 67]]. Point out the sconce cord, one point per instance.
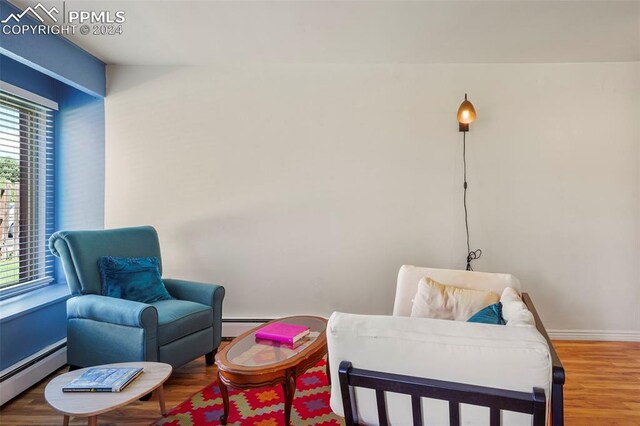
[[472, 254]]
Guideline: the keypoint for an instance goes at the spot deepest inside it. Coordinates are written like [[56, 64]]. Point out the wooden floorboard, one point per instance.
[[603, 382], [603, 388]]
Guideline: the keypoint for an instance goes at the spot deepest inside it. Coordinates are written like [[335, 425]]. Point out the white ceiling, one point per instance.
[[356, 32]]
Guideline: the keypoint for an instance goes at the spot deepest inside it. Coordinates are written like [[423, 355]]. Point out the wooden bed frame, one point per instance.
[[558, 377], [533, 403]]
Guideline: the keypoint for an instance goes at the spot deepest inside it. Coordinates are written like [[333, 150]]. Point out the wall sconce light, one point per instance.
[[467, 115]]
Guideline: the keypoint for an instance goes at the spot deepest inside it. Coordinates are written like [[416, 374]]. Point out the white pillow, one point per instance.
[[514, 311], [436, 300], [509, 294]]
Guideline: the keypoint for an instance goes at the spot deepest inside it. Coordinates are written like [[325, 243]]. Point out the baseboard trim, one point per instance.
[[598, 335], [20, 377], [234, 327]]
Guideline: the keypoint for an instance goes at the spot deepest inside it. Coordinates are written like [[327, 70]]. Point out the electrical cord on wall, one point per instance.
[[471, 254]]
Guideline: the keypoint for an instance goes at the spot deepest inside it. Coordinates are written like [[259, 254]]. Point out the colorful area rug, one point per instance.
[[260, 407]]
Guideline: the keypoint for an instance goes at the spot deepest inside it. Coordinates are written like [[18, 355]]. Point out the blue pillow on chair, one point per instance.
[[492, 314], [132, 278]]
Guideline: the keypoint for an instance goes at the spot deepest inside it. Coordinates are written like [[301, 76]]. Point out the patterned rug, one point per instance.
[[260, 407]]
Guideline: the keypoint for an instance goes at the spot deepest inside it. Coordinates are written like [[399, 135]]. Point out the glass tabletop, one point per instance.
[[249, 352]]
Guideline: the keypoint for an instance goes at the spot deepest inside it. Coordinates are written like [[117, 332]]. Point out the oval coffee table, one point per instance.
[[247, 364], [90, 404]]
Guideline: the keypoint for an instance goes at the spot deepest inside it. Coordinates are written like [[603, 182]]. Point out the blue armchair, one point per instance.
[[103, 329]]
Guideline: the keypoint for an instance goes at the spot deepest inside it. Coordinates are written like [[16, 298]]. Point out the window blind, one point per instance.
[[26, 192]]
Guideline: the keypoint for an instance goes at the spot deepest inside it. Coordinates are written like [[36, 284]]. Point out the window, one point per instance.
[[26, 193]]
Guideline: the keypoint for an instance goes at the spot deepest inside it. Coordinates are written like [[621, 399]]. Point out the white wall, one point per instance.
[[303, 189]]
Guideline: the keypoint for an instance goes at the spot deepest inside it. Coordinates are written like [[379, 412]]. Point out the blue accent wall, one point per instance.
[[35, 320], [13, 72], [54, 68], [31, 322], [53, 56], [79, 162], [15, 344]]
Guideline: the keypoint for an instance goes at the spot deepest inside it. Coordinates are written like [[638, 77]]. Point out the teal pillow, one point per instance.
[[492, 314], [132, 278]]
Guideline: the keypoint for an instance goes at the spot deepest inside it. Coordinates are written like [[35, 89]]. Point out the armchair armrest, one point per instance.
[[113, 311], [207, 294]]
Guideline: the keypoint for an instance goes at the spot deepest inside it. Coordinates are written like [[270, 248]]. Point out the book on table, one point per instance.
[[103, 379], [283, 345], [282, 332]]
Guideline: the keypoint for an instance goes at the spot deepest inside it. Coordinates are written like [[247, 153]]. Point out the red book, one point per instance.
[[282, 332]]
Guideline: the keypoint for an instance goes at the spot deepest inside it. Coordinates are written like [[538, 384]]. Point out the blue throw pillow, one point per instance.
[[492, 314], [132, 278]]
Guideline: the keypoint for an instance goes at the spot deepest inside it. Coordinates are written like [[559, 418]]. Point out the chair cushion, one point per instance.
[[179, 318], [515, 358]]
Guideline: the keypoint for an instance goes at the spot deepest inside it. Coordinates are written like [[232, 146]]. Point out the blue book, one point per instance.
[[103, 379]]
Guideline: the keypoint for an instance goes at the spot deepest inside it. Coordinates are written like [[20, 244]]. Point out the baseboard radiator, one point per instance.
[[21, 376]]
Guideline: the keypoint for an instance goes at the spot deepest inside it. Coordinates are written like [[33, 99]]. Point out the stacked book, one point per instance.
[[282, 333]]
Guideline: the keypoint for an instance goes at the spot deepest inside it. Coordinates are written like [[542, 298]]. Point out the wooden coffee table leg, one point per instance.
[[93, 421], [225, 400], [160, 391], [65, 421], [289, 387]]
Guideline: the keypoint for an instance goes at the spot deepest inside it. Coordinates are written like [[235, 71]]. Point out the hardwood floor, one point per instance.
[[603, 388], [603, 382]]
